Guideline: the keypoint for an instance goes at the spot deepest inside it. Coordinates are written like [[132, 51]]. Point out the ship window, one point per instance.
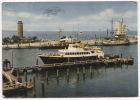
[[92, 52]]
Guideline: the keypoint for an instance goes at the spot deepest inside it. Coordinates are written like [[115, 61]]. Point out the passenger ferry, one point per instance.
[[75, 52]]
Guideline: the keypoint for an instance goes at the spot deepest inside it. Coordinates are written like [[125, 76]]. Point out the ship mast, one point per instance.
[[111, 32]]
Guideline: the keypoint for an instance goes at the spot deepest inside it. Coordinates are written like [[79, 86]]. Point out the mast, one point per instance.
[[111, 32]]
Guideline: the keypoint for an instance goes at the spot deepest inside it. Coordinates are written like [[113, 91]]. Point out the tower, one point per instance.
[[20, 29], [120, 28]]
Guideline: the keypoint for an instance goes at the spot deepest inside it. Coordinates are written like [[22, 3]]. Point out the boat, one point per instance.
[[68, 39], [75, 52], [113, 43]]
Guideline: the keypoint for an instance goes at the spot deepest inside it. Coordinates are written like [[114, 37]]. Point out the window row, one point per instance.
[[76, 53]]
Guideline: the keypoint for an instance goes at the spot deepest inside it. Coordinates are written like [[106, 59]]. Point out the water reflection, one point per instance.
[[69, 78]]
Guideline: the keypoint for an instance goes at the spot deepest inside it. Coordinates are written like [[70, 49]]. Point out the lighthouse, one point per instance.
[[20, 29]]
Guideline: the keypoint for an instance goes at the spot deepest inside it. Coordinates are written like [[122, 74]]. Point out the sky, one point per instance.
[[68, 16]]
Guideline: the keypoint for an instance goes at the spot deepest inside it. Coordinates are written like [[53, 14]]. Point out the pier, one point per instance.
[[114, 61]]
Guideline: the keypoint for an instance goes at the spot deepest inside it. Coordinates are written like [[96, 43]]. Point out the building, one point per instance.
[[120, 29], [20, 29]]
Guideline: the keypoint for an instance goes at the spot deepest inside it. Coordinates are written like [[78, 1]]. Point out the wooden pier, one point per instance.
[[114, 61]]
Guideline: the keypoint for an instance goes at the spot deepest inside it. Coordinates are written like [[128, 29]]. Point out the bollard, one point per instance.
[[43, 90], [34, 89], [25, 77], [36, 61]]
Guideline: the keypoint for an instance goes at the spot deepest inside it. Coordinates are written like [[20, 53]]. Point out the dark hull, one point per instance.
[[53, 47], [49, 60]]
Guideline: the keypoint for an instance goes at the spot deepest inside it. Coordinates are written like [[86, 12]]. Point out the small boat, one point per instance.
[[75, 52], [68, 39]]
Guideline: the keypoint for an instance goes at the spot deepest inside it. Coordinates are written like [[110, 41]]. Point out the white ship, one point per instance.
[[75, 52]]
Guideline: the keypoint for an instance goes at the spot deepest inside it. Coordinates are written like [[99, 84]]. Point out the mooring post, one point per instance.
[[47, 76], [58, 76], [83, 70], [90, 69], [57, 73], [17, 73], [36, 61], [20, 79], [78, 71], [34, 89], [67, 72], [25, 77], [43, 90]]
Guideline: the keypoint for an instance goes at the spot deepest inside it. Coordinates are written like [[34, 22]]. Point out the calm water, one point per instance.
[[112, 81]]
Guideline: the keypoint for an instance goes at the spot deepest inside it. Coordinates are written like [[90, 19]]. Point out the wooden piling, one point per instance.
[[43, 89], [83, 70], [57, 73], [36, 61], [20, 79], [34, 89], [17, 73], [25, 77], [67, 72], [47, 76], [78, 71], [90, 69]]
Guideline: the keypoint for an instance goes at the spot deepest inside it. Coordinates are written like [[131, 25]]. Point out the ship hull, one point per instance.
[[115, 44], [49, 60]]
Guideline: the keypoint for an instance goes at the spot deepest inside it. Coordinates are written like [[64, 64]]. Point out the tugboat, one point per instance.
[[75, 52]]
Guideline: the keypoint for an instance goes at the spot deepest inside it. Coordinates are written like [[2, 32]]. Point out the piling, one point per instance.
[[47, 76], [34, 89], [77, 71], [36, 61], [90, 70], [67, 72], [83, 70], [58, 76], [25, 77], [43, 90], [121, 55], [57, 73], [20, 79], [17, 73]]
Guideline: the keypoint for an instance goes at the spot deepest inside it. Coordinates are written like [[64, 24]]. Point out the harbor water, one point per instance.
[[105, 81]]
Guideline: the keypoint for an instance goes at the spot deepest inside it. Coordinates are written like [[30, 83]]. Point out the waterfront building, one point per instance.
[[120, 29]]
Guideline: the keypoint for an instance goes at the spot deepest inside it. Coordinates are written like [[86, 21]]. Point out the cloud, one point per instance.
[[34, 21], [25, 14]]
